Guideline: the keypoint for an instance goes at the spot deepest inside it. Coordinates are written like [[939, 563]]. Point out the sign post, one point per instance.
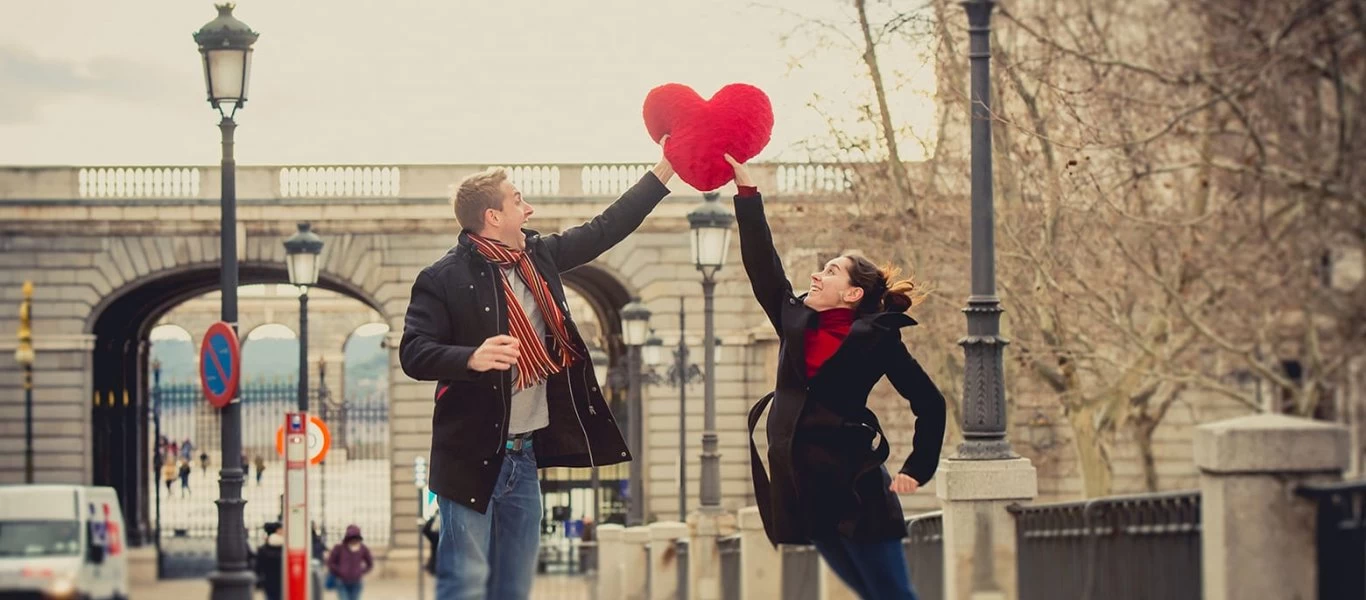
[[220, 364], [296, 525], [420, 482]]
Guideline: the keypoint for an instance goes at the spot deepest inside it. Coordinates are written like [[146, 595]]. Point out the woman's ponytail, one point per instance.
[[883, 292]]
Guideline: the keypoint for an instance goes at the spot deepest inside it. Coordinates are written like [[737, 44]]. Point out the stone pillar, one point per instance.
[[609, 561], [979, 535], [1258, 535], [704, 558], [634, 564], [761, 566], [664, 558]]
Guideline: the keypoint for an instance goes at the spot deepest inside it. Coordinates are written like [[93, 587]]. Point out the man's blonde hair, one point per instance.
[[476, 194]]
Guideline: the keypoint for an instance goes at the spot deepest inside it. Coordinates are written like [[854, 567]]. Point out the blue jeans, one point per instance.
[[492, 555], [348, 591], [874, 570]]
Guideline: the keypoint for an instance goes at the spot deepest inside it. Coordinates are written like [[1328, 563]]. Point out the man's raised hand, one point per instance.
[[498, 352]]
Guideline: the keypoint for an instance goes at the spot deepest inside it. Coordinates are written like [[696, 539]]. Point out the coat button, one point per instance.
[[623, 455], [595, 388], [791, 300], [471, 286], [486, 463], [471, 500], [486, 309]]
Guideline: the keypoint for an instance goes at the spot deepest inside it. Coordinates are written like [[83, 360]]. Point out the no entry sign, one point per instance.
[[220, 364]]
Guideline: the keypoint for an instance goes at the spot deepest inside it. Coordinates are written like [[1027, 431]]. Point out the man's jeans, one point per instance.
[[492, 555]]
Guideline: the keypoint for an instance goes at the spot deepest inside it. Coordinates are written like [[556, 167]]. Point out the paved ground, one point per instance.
[[558, 587]]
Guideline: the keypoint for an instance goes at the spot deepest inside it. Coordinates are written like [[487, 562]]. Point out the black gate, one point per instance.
[[187, 456]]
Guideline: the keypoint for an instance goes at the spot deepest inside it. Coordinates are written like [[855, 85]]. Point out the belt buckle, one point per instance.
[[518, 444]]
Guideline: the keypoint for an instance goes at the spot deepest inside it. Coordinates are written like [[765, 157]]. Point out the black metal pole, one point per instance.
[[303, 350], [157, 462], [984, 401], [711, 456], [231, 580], [28, 423], [635, 514], [681, 368]]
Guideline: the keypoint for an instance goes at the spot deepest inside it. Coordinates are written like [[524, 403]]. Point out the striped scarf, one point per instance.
[[535, 363]]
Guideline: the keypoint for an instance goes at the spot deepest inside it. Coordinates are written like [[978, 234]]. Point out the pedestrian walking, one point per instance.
[[349, 562], [184, 478], [260, 468], [169, 474], [270, 563]]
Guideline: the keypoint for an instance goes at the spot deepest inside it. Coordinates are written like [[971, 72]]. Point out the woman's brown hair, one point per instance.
[[882, 291]]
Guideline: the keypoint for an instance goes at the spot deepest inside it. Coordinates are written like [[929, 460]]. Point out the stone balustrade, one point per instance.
[[372, 182]]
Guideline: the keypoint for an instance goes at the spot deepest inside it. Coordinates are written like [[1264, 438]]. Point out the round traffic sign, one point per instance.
[[319, 440], [220, 364]]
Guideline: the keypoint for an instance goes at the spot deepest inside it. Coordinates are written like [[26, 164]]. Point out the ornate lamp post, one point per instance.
[[711, 230], [984, 400], [225, 44], [635, 322], [301, 255]]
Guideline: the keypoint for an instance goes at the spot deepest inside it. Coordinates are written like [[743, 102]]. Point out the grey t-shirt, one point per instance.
[[529, 410]]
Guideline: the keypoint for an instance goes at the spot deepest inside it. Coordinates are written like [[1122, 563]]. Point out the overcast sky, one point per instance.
[[412, 81]]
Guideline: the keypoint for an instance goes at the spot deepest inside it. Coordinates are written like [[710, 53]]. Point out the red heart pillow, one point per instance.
[[738, 120]]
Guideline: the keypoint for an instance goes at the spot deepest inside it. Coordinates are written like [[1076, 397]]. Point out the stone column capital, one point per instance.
[[1271, 443], [661, 531], [611, 532]]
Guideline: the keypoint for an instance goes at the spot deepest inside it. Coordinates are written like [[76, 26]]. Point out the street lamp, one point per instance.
[[984, 435], [635, 322], [23, 354], [225, 44], [711, 230], [301, 256]]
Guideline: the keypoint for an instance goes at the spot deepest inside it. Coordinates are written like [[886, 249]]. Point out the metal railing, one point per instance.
[[801, 572], [1340, 537], [1117, 548], [925, 555], [729, 549]]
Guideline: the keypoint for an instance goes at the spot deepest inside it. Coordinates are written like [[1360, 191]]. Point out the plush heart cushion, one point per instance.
[[737, 120]]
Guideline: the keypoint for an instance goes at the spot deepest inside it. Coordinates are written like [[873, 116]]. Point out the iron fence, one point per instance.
[[187, 456], [729, 549], [1340, 537], [1117, 548], [801, 572], [925, 555]]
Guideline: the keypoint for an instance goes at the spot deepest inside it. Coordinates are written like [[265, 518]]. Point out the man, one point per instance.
[[515, 389]]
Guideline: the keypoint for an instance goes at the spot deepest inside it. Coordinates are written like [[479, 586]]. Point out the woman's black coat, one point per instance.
[[825, 447]]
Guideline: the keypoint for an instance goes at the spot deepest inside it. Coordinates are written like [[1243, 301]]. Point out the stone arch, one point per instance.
[[121, 321]]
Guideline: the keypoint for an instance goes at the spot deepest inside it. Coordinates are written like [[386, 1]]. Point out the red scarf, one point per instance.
[[825, 339], [535, 363]]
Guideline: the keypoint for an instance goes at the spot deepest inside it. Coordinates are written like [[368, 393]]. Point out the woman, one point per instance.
[[825, 447]]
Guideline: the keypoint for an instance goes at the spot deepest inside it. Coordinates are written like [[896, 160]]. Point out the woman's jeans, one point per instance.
[[874, 570], [348, 591]]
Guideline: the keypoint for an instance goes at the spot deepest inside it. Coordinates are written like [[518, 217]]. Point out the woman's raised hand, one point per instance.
[[741, 173]]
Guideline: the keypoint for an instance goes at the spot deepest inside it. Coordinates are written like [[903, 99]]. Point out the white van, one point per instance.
[[62, 542]]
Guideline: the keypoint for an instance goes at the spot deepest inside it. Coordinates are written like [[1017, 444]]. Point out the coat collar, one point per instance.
[[889, 321], [463, 242]]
